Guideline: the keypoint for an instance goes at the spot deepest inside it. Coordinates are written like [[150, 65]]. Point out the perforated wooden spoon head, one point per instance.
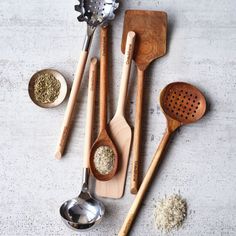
[[182, 103], [103, 140]]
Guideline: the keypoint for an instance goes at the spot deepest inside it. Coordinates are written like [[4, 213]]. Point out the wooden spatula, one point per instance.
[[151, 30], [120, 131]]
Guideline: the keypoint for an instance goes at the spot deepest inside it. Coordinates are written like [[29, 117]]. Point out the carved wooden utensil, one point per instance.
[[181, 104], [103, 138], [151, 30], [120, 131]]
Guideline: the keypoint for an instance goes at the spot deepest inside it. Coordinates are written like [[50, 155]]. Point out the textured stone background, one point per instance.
[[200, 162]]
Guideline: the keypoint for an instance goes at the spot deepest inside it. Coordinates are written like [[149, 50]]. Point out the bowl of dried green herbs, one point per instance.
[[47, 88]]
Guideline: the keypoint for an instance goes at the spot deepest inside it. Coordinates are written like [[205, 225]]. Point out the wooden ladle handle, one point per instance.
[[144, 186], [90, 110]]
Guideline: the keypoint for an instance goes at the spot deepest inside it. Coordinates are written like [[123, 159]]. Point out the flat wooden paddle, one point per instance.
[[120, 131], [151, 30]]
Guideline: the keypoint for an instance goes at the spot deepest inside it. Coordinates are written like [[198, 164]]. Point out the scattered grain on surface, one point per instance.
[[170, 213]]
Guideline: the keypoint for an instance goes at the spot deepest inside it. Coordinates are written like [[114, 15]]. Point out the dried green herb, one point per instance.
[[104, 160], [46, 88]]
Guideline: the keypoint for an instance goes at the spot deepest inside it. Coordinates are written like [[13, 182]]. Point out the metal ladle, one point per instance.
[[84, 211]]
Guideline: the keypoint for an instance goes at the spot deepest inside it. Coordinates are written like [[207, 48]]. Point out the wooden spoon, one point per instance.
[[181, 104], [120, 131], [103, 138], [151, 30]]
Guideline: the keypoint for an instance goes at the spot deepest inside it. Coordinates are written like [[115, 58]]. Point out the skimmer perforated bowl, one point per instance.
[[182, 102]]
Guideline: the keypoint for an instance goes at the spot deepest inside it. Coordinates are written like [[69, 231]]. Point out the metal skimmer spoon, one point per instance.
[[84, 211], [94, 12]]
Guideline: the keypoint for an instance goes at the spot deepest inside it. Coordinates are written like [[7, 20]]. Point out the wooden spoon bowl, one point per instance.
[[103, 140]]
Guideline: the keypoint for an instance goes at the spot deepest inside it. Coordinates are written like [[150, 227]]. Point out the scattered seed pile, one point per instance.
[[104, 160], [46, 88], [170, 213]]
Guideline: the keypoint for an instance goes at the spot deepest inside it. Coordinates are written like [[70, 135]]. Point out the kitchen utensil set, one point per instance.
[[144, 40]]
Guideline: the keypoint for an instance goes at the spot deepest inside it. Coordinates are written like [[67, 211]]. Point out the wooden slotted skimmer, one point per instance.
[[151, 30], [181, 104]]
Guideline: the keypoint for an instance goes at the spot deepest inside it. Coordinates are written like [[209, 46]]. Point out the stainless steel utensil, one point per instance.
[[94, 12], [84, 211]]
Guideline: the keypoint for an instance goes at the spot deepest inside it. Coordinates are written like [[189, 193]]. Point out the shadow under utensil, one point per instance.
[[170, 33], [209, 102]]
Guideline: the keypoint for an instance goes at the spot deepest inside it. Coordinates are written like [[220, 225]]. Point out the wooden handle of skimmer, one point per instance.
[[70, 109], [129, 49], [103, 76], [137, 133], [90, 110], [144, 186]]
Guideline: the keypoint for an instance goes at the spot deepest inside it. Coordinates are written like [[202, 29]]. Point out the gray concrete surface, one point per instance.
[[201, 160]]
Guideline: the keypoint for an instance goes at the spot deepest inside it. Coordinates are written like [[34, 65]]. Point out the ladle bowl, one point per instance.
[[83, 212]]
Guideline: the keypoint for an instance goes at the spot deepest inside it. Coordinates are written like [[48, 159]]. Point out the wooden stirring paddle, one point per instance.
[[120, 131], [181, 104], [103, 138], [151, 29]]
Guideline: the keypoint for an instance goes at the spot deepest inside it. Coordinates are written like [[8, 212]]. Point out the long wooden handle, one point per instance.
[[137, 133], [90, 110], [70, 109], [103, 76], [144, 186], [129, 48]]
